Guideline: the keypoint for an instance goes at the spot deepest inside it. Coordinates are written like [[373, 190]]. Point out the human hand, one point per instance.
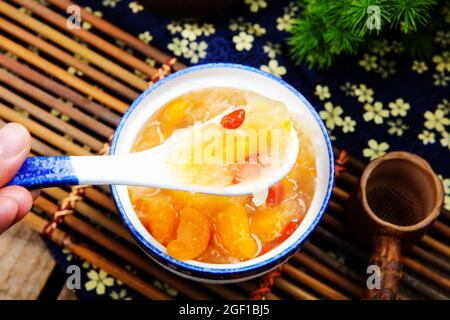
[[15, 201]]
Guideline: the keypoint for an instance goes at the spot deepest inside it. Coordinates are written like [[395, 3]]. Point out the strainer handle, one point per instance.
[[386, 255]]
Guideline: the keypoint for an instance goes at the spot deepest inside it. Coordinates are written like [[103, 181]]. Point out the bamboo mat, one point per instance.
[[69, 88]]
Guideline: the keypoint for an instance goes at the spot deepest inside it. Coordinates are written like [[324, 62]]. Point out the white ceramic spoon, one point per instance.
[[148, 168]]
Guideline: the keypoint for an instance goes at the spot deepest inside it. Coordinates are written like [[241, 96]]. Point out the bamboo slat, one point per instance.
[[329, 274], [121, 250], [93, 214], [113, 31], [442, 229], [58, 89], [88, 36], [51, 120], [426, 273], [67, 59], [62, 75], [36, 145], [436, 245], [311, 282], [61, 238], [431, 259], [42, 132], [292, 290], [52, 102], [72, 45]]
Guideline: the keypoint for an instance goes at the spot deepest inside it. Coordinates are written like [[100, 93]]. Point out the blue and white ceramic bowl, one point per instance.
[[232, 76]]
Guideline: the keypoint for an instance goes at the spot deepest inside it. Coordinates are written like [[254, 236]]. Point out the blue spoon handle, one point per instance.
[[43, 172]]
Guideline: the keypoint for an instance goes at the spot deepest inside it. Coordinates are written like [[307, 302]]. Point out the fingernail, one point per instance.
[[35, 193], [14, 139]]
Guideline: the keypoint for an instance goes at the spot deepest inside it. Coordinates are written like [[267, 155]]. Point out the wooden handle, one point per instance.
[[386, 255]]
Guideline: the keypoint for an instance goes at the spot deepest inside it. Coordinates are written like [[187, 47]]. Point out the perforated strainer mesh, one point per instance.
[[394, 207]]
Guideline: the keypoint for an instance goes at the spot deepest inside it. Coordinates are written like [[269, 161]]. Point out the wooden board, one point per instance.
[[25, 263]]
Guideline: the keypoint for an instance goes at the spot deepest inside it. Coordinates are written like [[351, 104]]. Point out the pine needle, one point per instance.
[[327, 29]]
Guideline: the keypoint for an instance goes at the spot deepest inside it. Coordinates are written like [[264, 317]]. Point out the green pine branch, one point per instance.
[[329, 28]]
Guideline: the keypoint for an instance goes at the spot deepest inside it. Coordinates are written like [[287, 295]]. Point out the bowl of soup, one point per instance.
[[224, 239]]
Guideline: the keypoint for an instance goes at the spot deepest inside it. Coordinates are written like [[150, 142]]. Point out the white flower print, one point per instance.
[[442, 38], [397, 47], [419, 66], [386, 68], [399, 107], [110, 3], [445, 140], [178, 47], [285, 22], [381, 47], [196, 51], [151, 62], [348, 125], [135, 7], [237, 24], [436, 120], [375, 112], [274, 68], [243, 41], [442, 62], [255, 5], [444, 105], [166, 288], [120, 295], [74, 71], [146, 37], [375, 149], [368, 62], [240, 25], [98, 281], [349, 89], [427, 137], [332, 115], [208, 29], [86, 24], [446, 184], [440, 79], [191, 31], [272, 49], [363, 93], [68, 254], [141, 75], [323, 92], [174, 27], [397, 127], [256, 29]]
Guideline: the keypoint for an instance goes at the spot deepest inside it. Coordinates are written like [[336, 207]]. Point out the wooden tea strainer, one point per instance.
[[395, 201]]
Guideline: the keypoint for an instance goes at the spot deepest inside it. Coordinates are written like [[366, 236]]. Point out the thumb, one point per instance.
[[15, 143]]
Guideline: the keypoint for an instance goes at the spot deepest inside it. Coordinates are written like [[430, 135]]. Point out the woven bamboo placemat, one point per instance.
[[69, 87]]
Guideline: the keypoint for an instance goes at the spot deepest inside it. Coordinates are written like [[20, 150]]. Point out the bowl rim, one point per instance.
[[222, 271]]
